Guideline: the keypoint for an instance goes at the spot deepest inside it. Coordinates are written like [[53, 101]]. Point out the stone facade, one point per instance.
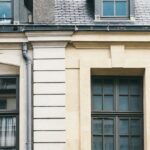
[[63, 62]]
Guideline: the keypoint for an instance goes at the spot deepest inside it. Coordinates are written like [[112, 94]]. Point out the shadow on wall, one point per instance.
[[29, 4], [90, 8]]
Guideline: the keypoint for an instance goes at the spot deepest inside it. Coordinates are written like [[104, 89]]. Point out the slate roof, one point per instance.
[[82, 12]]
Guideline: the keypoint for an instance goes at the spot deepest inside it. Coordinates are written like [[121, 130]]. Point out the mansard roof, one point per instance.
[[82, 12]]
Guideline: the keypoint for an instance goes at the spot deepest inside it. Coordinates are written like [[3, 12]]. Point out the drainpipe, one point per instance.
[[28, 95]]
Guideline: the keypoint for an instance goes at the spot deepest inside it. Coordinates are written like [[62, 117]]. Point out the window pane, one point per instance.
[[7, 131], [97, 87], [121, 9], [108, 9], [124, 143], [123, 87], [108, 103], [97, 126], [108, 126], [123, 103], [5, 10], [7, 93], [97, 103], [97, 143], [136, 143], [135, 87], [135, 127], [108, 87], [109, 143], [124, 127], [135, 103]]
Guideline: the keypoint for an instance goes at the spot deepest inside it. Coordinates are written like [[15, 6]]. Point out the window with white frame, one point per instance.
[[6, 14], [115, 8], [117, 113], [9, 112]]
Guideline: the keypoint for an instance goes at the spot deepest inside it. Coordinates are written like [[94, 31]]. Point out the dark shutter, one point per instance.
[[29, 4]]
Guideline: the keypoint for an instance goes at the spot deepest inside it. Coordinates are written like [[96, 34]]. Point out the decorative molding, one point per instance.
[[49, 36], [58, 44]]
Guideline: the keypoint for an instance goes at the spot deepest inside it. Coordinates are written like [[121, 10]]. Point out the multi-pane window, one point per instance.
[[115, 8], [8, 113], [117, 113], [6, 11]]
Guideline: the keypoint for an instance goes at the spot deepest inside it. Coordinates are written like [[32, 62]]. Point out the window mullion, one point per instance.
[[103, 133], [116, 133], [102, 95], [129, 136], [114, 8]]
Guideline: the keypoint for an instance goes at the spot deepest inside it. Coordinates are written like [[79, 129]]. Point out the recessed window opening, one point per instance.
[[117, 113]]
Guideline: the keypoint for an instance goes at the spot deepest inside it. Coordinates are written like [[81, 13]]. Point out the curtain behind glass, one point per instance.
[[7, 131]]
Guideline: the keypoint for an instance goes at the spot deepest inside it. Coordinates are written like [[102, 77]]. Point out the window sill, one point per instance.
[[99, 19]]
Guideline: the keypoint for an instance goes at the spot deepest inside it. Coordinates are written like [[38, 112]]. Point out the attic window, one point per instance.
[[115, 8], [5, 11]]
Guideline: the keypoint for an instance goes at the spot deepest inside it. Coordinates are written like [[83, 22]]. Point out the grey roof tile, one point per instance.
[[82, 12]]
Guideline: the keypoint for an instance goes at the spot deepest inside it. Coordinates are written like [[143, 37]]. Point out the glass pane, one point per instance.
[[7, 93], [97, 87], [108, 87], [121, 9], [7, 131], [97, 103], [108, 103], [97, 143], [135, 103], [123, 87], [108, 126], [136, 143], [97, 126], [135, 87], [108, 9], [135, 127], [124, 143], [5, 10], [109, 143], [123, 103], [124, 127]]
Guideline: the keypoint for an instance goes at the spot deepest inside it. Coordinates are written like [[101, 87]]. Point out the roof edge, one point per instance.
[[105, 28]]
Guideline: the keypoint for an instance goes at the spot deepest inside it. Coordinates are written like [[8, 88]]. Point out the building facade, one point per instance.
[[74, 75]]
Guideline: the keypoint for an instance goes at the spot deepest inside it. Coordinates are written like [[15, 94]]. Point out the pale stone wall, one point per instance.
[[49, 96], [11, 63], [124, 54], [63, 63]]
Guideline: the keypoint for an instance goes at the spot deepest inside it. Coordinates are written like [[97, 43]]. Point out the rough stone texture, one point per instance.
[[142, 11], [43, 11], [82, 12]]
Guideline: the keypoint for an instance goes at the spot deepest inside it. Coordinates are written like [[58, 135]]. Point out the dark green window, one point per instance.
[[115, 8], [117, 113], [6, 11], [9, 113]]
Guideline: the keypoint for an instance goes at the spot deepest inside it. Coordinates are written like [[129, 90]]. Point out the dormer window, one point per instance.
[[115, 8], [5, 11]]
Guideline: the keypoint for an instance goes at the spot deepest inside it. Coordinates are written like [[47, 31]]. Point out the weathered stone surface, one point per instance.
[[43, 11]]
